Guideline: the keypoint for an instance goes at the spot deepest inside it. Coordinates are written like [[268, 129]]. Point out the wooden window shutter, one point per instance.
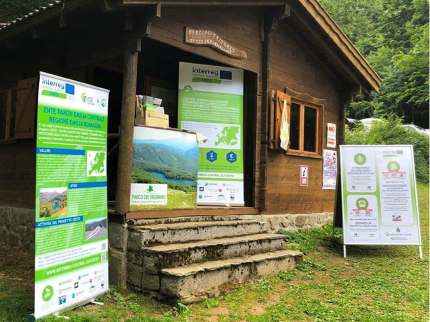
[[26, 108], [275, 117]]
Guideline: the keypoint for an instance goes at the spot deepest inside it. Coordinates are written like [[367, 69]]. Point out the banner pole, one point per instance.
[[420, 248], [344, 250]]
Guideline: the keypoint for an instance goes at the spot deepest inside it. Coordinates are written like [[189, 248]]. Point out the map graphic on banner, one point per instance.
[[211, 103], [379, 198], [71, 245]]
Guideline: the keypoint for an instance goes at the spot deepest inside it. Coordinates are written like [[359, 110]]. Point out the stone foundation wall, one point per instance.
[[296, 222], [118, 235], [17, 227]]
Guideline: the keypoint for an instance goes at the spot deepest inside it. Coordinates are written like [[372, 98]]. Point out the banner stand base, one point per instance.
[[97, 303]]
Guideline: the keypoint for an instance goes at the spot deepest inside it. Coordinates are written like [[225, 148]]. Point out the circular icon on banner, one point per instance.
[[211, 156], [360, 159], [47, 293], [188, 88], [231, 157], [393, 166], [362, 203]]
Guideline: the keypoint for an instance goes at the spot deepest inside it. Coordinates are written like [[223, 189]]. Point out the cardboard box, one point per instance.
[[142, 100], [148, 113], [150, 118]]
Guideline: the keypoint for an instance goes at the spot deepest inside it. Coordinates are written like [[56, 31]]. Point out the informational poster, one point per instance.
[[164, 171], [211, 103], [329, 169], [304, 176], [71, 243], [379, 199], [331, 135]]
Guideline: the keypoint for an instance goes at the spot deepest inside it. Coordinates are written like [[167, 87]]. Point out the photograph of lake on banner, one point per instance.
[[162, 156]]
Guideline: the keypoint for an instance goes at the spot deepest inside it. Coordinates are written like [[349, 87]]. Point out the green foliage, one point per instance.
[[393, 35], [391, 131], [12, 9], [158, 155], [308, 240]]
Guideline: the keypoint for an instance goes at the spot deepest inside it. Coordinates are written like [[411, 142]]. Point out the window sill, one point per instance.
[[9, 141], [303, 155]]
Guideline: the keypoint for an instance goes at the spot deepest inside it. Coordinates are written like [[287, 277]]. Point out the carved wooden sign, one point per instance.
[[201, 37]]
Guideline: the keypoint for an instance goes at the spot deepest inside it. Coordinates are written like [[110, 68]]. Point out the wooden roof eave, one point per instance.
[[199, 3], [41, 17]]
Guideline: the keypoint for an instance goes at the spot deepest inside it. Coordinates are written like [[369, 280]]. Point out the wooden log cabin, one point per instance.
[[295, 52]]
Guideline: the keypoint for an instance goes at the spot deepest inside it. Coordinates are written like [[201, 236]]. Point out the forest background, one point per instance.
[[393, 35]]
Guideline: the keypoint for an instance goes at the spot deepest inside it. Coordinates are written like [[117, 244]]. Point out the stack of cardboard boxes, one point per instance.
[[149, 112]]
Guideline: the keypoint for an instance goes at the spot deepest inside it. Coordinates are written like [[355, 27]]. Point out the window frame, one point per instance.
[[318, 132], [8, 121]]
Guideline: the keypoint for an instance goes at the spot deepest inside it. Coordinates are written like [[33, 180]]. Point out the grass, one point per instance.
[[374, 283]]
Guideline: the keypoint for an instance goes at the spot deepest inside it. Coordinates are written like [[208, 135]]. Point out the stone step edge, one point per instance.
[[225, 241], [236, 261], [185, 225]]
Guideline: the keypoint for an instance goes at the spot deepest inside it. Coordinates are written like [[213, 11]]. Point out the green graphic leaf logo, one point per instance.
[[360, 159], [188, 88], [47, 293], [150, 189], [362, 203], [393, 166]]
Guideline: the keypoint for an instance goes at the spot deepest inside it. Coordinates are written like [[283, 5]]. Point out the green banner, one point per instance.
[[71, 263], [211, 103]]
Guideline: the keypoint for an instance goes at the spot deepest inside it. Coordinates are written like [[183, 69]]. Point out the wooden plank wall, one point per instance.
[[291, 67], [18, 174], [240, 28]]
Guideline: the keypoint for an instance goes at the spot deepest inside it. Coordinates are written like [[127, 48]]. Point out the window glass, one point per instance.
[[310, 124], [295, 126], [3, 109]]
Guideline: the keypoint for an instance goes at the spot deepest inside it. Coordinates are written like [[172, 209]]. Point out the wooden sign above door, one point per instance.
[[201, 37]]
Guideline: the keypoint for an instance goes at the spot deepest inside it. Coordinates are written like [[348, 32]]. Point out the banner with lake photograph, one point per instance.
[[164, 171], [71, 242], [211, 103]]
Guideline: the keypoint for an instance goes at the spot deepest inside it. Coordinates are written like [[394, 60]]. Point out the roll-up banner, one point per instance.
[[71, 245], [211, 103], [379, 195]]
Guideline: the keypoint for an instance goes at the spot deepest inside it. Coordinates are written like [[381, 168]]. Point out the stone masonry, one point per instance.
[[17, 227]]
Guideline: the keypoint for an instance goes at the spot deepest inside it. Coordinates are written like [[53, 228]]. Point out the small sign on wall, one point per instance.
[[304, 180], [331, 135]]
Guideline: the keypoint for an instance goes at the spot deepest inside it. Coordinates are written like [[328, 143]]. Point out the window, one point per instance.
[[18, 110], [8, 102], [304, 121]]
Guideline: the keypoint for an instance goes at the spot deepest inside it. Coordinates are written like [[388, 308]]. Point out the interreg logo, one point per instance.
[[214, 74], [208, 73], [58, 86]]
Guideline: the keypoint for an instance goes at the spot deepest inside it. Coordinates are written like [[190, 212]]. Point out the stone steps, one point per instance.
[[189, 261], [159, 257], [197, 282], [148, 235]]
